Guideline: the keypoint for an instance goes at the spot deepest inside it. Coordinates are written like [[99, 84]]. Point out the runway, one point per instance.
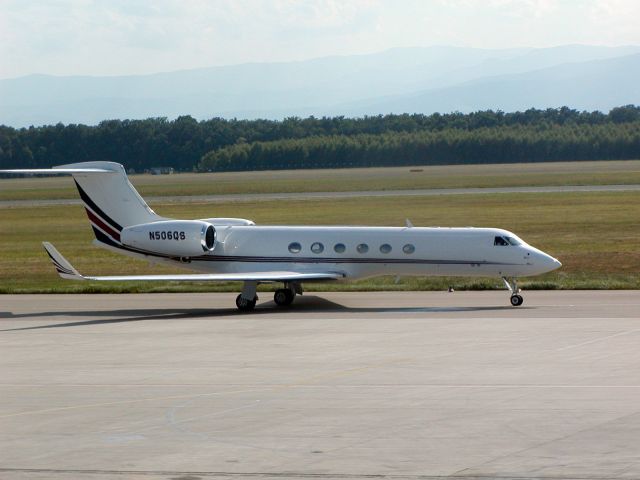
[[340, 386], [256, 197]]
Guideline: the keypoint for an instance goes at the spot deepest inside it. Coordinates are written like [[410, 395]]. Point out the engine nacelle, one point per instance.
[[229, 222], [180, 238]]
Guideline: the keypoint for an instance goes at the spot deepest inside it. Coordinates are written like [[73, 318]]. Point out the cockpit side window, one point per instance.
[[500, 242]]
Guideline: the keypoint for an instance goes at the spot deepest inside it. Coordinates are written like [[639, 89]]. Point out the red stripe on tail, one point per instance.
[[99, 223]]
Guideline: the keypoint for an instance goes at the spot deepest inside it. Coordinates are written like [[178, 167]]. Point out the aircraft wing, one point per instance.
[[66, 270]]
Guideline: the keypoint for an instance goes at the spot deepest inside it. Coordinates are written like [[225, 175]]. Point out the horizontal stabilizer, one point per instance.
[[66, 270], [57, 171]]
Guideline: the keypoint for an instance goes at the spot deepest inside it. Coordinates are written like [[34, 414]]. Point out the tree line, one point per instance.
[[510, 144], [230, 144]]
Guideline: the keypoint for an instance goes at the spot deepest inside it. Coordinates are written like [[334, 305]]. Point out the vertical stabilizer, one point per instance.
[[111, 202]]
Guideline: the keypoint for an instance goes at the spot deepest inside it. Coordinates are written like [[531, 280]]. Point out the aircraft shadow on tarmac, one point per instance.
[[306, 303]]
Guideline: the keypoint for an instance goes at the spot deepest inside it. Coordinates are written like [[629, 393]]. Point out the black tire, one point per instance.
[[245, 305], [516, 300], [283, 297]]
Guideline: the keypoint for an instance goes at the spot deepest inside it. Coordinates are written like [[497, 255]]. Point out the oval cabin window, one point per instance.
[[408, 249], [317, 247], [295, 247], [385, 248], [339, 248], [362, 248]]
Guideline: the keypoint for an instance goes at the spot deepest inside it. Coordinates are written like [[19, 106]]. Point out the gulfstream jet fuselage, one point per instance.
[[231, 249]]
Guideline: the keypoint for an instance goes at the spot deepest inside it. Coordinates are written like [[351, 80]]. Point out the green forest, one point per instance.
[[331, 142]]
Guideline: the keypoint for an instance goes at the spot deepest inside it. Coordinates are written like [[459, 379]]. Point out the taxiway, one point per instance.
[[341, 385], [423, 192]]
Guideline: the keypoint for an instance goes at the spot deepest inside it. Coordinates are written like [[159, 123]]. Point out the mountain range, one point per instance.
[[400, 80]]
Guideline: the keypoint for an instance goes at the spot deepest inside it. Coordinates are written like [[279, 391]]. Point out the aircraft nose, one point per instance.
[[548, 262], [542, 262]]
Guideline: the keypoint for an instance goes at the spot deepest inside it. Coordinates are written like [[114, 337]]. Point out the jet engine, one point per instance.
[[180, 238]]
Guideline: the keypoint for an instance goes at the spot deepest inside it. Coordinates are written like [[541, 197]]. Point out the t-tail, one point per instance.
[[122, 220], [109, 199]]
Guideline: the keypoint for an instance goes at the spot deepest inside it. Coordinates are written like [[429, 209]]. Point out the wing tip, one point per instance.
[[62, 266]]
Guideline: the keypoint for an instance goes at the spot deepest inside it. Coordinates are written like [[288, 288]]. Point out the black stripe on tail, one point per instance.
[[91, 204], [104, 239]]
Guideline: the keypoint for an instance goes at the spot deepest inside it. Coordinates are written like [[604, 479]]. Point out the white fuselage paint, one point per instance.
[[438, 251], [124, 223]]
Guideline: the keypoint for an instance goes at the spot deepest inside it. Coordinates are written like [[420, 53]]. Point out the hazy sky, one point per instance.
[[113, 37]]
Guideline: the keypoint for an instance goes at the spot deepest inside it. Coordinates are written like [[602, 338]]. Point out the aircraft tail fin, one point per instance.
[[110, 201]]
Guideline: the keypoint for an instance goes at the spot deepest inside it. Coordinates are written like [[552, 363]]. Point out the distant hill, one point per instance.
[[422, 80], [593, 85]]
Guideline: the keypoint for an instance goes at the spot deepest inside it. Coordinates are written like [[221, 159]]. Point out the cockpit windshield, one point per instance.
[[504, 241], [514, 241]]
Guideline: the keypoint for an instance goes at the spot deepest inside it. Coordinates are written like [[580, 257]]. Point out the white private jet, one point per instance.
[[233, 249]]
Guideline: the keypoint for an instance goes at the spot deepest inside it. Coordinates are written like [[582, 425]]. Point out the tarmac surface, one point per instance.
[[253, 197], [339, 386]]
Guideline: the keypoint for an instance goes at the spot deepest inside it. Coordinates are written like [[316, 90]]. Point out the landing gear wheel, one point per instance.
[[516, 300], [245, 305], [283, 297]]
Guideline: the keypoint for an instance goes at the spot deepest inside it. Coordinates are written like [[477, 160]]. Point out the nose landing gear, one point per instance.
[[512, 284], [516, 300]]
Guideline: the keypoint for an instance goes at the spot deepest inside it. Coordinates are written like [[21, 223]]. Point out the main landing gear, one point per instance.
[[245, 304], [283, 297], [246, 301], [512, 284]]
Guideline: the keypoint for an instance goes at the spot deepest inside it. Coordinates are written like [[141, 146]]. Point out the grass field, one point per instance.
[[457, 176], [595, 234]]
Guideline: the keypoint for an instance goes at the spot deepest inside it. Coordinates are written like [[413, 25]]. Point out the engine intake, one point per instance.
[[209, 238], [179, 238]]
